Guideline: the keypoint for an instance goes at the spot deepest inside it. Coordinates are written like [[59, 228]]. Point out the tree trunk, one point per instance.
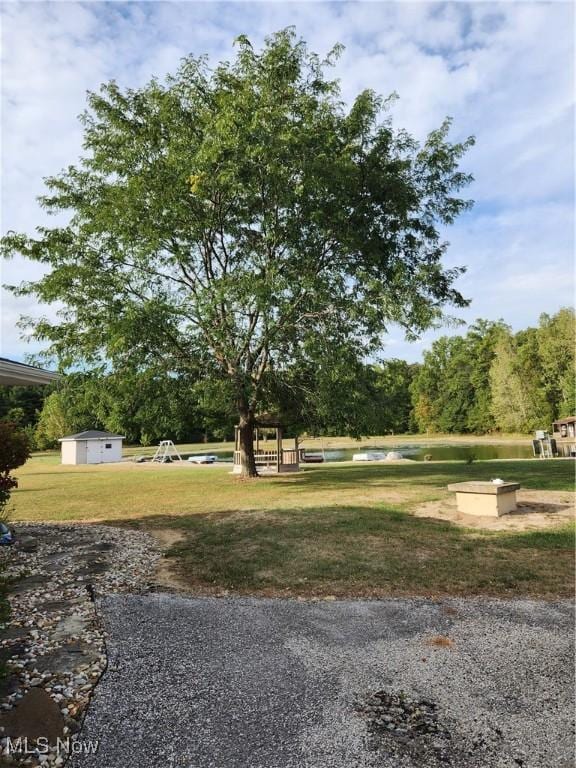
[[246, 439]]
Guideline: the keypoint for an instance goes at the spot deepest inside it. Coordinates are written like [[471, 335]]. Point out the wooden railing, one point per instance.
[[270, 458], [265, 458], [289, 456]]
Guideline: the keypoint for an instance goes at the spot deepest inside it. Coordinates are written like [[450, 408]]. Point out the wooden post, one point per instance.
[[278, 448], [296, 454]]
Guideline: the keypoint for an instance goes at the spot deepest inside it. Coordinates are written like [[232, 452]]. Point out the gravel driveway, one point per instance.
[[256, 683]]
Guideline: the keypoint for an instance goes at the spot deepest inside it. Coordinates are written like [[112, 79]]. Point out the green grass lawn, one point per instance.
[[340, 529], [371, 551]]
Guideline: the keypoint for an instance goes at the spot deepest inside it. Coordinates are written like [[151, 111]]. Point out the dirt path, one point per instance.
[[166, 574]]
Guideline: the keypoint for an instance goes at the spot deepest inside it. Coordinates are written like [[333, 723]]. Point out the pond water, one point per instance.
[[417, 451]]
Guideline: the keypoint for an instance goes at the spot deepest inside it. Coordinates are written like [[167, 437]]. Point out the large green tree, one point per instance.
[[533, 374], [392, 405], [240, 220], [518, 399], [557, 352], [452, 390]]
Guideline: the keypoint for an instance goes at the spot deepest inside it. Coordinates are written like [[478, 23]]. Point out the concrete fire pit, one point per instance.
[[485, 499]]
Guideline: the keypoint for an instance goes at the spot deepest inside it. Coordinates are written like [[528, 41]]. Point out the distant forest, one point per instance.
[[487, 380]]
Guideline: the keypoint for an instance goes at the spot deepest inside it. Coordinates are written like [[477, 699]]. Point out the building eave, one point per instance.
[[13, 374]]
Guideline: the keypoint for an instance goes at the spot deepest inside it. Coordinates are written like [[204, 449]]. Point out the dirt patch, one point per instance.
[[167, 537], [440, 641], [536, 510], [166, 575]]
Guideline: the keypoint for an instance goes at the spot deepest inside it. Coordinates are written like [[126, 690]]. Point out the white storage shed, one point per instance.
[[91, 447]]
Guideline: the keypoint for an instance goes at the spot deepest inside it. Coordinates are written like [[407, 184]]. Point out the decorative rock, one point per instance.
[[392, 712], [28, 584], [13, 633], [55, 612], [27, 544], [34, 716], [69, 627]]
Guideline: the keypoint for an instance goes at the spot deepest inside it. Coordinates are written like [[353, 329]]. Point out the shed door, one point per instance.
[[81, 451], [94, 452]]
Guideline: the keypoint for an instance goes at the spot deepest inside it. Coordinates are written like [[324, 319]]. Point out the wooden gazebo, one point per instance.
[[269, 460]]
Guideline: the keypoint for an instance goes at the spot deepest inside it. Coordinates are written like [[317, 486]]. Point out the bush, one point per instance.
[[30, 433], [14, 451]]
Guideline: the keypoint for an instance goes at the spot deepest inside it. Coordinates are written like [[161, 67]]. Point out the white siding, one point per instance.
[[104, 451], [94, 452], [69, 452], [114, 453], [101, 451]]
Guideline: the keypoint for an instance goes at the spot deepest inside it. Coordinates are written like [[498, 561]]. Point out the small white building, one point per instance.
[[91, 447]]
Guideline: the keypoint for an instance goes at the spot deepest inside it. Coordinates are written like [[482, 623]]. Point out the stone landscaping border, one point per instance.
[[54, 645]]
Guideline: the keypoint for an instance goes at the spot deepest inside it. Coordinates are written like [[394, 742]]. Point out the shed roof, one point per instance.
[[92, 434]]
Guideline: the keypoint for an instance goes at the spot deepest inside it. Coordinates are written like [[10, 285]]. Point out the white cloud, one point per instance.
[[504, 71]]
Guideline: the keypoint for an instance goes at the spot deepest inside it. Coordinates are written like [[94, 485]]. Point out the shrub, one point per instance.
[[14, 451]]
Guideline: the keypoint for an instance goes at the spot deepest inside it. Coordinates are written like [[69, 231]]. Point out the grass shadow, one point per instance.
[[364, 551]]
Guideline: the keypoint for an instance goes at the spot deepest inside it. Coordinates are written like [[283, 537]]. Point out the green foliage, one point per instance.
[[53, 423], [14, 447], [21, 404], [481, 341], [14, 451], [451, 390], [532, 375], [556, 345], [491, 379], [487, 380], [238, 222], [60, 416], [146, 407], [392, 405]]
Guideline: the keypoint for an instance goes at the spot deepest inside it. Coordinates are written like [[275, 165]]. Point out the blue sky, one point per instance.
[[503, 71]]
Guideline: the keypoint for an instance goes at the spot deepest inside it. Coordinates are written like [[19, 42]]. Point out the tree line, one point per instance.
[[486, 380], [491, 379]]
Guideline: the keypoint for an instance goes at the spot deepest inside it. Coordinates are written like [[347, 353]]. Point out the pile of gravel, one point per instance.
[[396, 722]]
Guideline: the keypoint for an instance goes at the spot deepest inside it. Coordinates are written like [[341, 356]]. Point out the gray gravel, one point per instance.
[[255, 683]]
